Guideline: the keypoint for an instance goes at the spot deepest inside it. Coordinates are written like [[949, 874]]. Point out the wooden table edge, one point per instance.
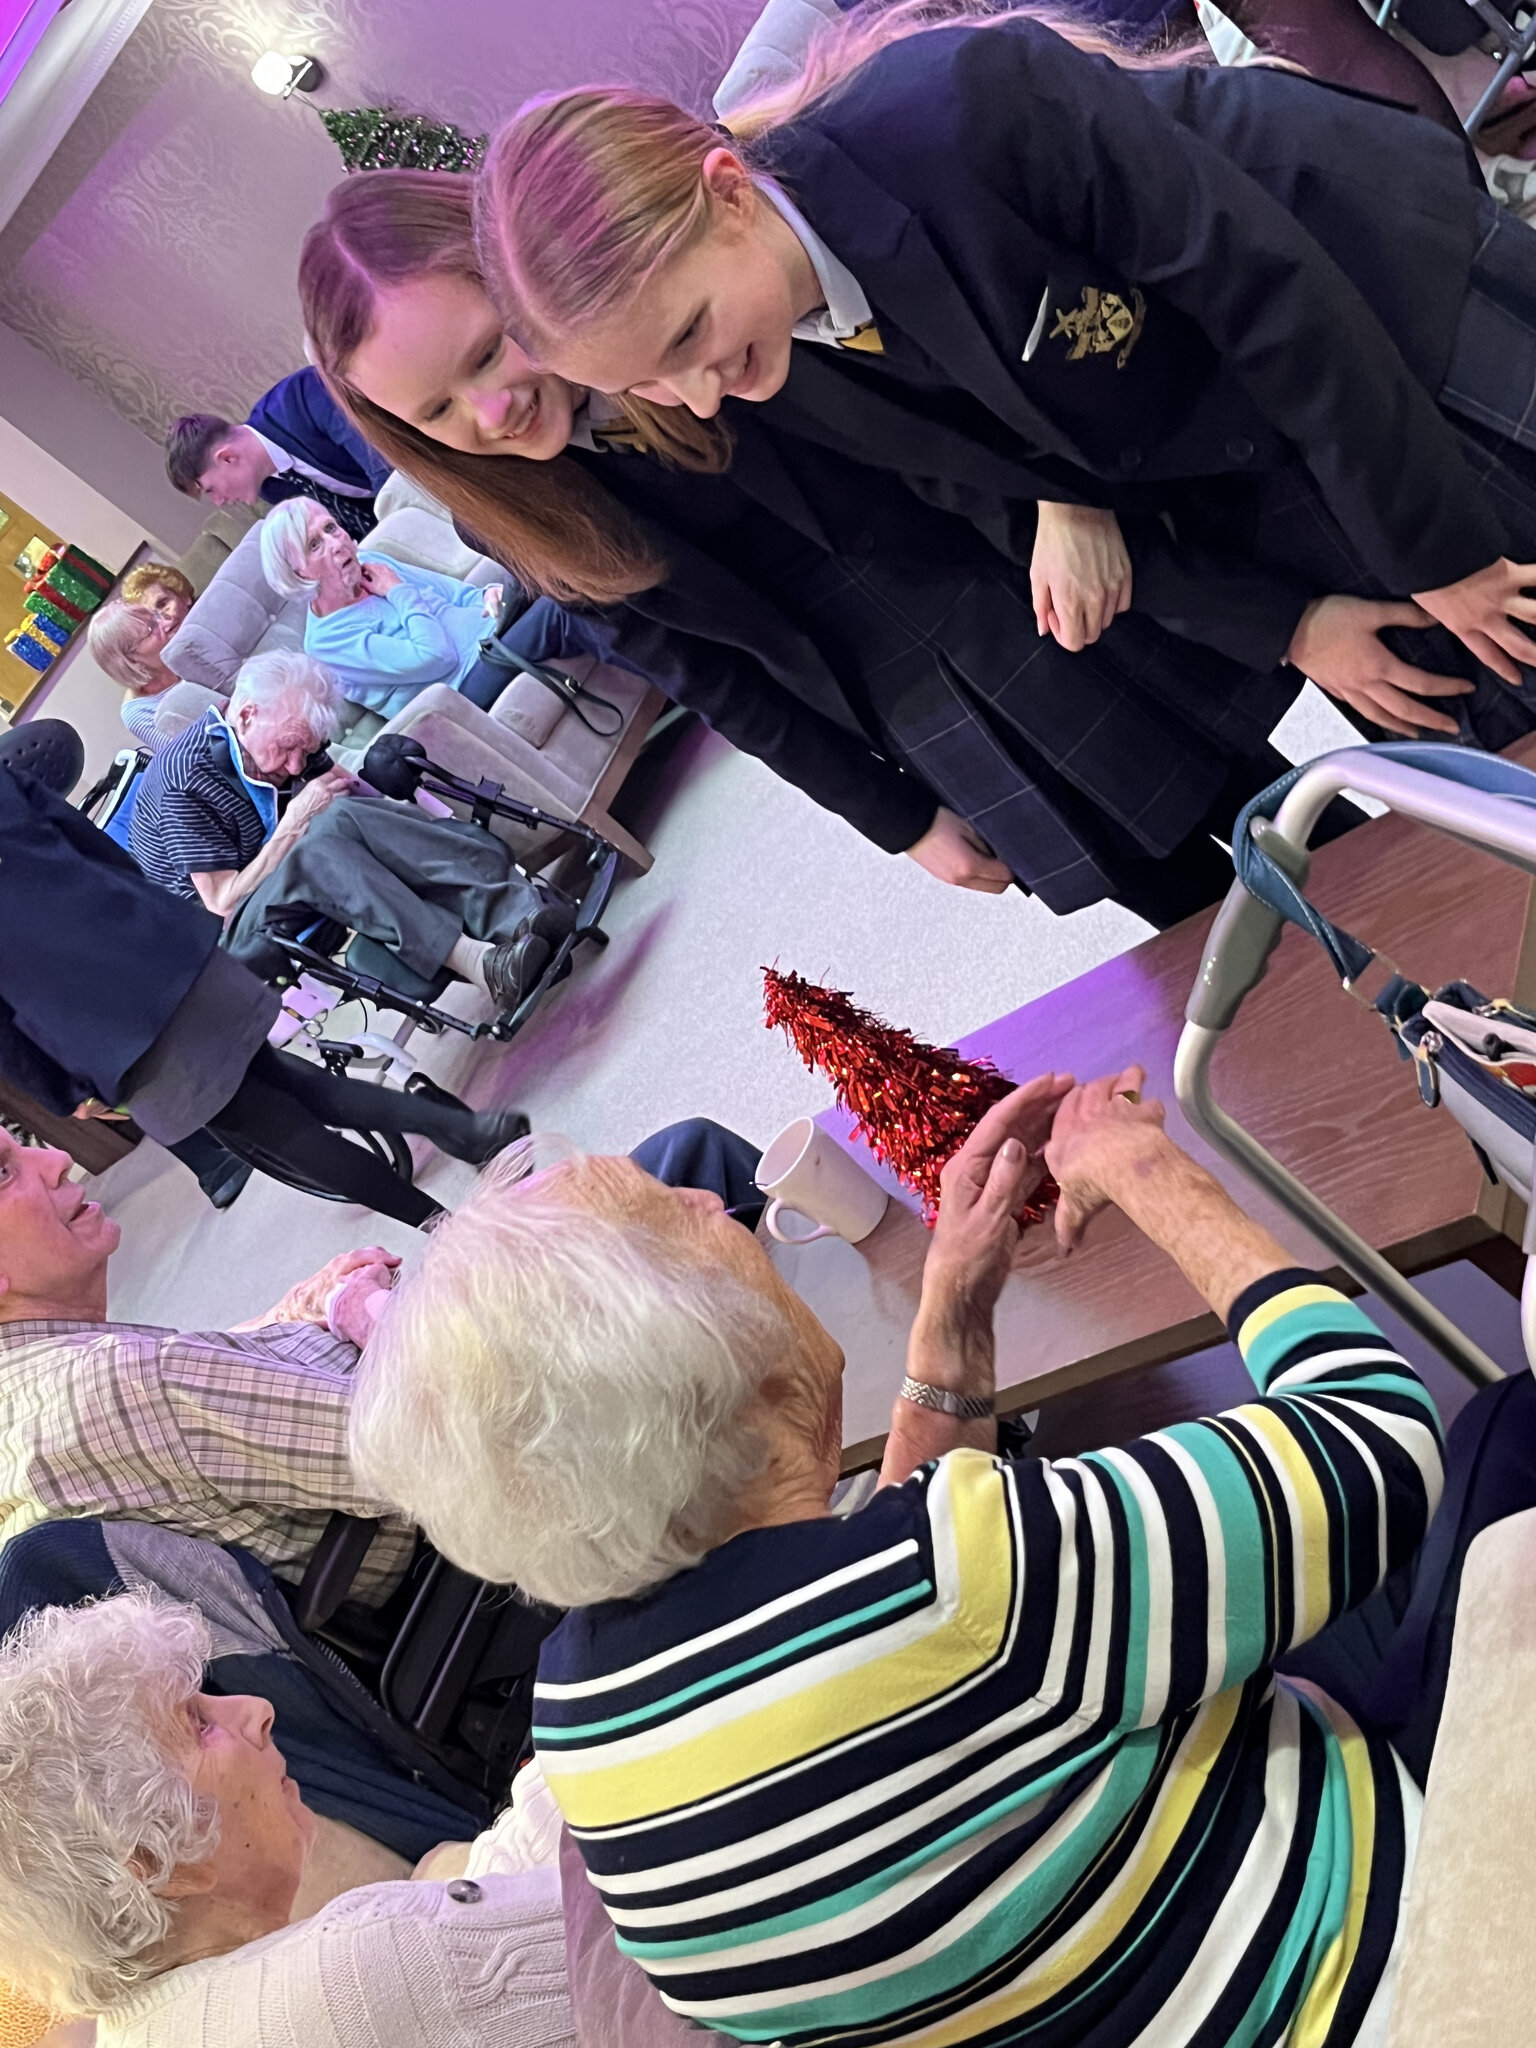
[[1471, 1237]]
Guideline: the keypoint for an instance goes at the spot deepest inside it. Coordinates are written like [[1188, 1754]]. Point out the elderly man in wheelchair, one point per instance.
[[239, 813]]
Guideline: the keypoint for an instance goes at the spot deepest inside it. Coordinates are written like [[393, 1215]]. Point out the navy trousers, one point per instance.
[[698, 1153]]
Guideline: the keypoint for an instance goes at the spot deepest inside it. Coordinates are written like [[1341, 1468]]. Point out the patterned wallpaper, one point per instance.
[[154, 257]]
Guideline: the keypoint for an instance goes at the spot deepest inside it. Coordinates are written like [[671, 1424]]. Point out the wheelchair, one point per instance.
[[321, 965], [449, 1658], [361, 969]]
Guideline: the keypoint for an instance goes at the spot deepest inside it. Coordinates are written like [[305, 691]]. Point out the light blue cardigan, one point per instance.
[[383, 650]]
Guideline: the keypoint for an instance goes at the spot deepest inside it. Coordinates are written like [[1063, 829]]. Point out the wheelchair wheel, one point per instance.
[[389, 1146]]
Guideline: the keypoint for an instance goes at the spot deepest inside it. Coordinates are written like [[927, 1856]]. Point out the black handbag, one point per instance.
[[572, 694]]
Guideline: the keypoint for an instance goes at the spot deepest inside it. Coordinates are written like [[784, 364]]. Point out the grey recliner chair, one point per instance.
[[529, 741]]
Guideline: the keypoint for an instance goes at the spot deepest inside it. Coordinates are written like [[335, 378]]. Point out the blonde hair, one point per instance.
[[113, 637], [585, 195], [558, 531], [141, 580]]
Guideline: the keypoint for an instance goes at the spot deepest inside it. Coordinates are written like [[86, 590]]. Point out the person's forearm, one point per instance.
[[956, 1351], [1188, 1214], [226, 891]]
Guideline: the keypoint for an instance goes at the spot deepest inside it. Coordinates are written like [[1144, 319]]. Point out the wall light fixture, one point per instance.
[[283, 76]]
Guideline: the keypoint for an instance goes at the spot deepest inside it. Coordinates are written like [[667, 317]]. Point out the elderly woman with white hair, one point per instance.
[[1001, 1755], [387, 629], [152, 1847]]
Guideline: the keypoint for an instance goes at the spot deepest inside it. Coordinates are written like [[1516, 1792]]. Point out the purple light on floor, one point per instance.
[[22, 24]]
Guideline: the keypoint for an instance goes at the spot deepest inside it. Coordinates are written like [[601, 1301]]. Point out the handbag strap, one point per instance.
[[571, 693], [1262, 876]]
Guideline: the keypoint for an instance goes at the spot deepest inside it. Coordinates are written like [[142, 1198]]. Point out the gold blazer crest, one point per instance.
[[1101, 324]]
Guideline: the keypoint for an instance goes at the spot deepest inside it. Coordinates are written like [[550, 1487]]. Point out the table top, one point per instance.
[[1311, 1074], [1469, 1965]]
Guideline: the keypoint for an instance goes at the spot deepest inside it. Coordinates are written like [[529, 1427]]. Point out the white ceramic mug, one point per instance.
[[809, 1172]]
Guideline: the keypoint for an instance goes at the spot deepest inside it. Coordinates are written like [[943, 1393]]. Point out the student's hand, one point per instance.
[[1102, 1132], [379, 577], [958, 855], [1481, 610], [1336, 644], [1080, 573], [495, 597]]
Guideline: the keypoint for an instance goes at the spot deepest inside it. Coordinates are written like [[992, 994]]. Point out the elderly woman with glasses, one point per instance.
[[152, 1846], [1002, 1754], [387, 629], [127, 639]]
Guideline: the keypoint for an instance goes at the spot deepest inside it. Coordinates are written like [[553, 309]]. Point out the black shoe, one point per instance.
[[555, 922], [493, 1132], [511, 970], [223, 1194]]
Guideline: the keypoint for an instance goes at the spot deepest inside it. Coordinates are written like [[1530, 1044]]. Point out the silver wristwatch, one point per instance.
[[964, 1407]]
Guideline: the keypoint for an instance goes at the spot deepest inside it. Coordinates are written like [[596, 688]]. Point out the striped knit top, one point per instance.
[[1000, 1759]]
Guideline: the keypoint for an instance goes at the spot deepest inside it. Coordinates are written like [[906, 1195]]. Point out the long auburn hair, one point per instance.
[[586, 194], [554, 526]]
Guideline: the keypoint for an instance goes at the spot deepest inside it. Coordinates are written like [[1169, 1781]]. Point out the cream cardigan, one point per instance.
[[474, 1964]]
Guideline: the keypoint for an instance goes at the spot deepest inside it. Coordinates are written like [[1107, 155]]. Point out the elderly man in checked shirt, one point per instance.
[[239, 1436]]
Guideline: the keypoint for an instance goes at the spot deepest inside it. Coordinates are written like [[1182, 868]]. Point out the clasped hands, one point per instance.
[[346, 1296], [1089, 1137], [1086, 1135]]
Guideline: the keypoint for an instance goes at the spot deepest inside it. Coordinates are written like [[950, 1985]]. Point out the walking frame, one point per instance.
[[1242, 939]]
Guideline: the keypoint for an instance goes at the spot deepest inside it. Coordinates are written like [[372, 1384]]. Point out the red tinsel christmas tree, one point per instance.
[[914, 1105]]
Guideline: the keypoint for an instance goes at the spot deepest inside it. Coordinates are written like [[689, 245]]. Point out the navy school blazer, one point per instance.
[[712, 643], [93, 957], [1151, 276], [301, 416]]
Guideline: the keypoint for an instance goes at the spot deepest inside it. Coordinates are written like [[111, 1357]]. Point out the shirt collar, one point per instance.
[[845, 308], [285, 464], [282, 461], [595, 412]]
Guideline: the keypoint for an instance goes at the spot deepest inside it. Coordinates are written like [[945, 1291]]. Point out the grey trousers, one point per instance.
[[387, 870]]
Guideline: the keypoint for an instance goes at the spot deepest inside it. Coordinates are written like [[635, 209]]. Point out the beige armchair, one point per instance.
[[529, 741]]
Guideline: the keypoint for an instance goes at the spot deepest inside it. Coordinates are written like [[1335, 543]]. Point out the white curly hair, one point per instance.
[[95, 1810]]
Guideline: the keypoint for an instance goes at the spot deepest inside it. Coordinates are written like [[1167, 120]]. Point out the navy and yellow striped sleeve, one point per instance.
[[1230, 1540]]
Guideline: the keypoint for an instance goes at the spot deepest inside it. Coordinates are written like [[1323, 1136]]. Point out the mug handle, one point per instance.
[[771, 1222]]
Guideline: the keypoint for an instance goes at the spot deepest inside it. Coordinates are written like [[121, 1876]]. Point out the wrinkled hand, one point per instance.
[[952, 851], [306, 1302], [1099, 1135], [1481, 610], [317, 795], [379, 577], [1336, 644], [1080, 573], [982, 1189], [362, 1299]]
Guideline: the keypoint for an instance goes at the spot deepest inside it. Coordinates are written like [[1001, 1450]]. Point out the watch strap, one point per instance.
[[964, 1407]]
